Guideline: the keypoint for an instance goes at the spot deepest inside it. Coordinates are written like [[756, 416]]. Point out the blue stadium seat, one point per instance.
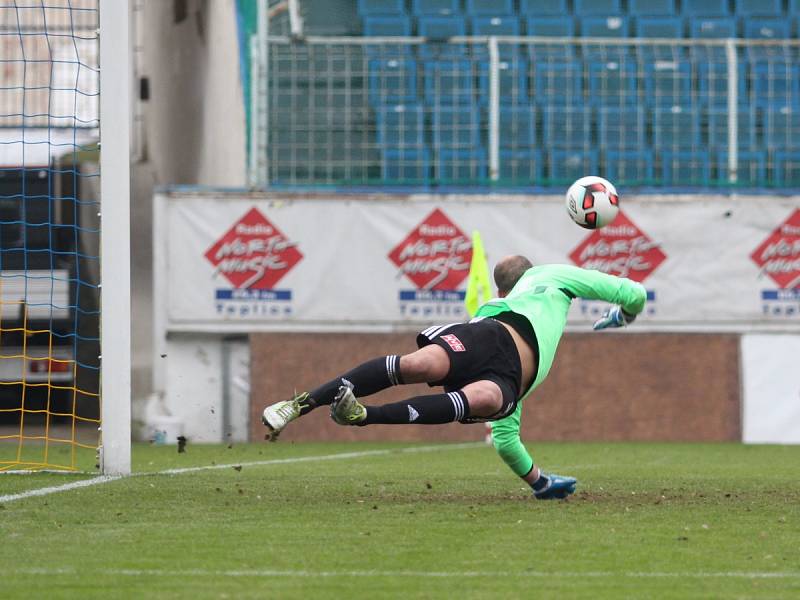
[[713, 28], [751, 169], [392, 80], [406, 166], [529, 8], [401, 126], [513, 81], [781, 128], [521, 167], [612, 82], [663, 8], [562, 80], [434, 7], [675, 128], [712, 82], [685, 168], [659, 27], [565, 166], [456, 127], [380, 7], [705, 8], [775, 83], [441, 28], [551, 27], [668, 83], [622, 129], [610, 27], [517, 127], [490, 7], [383, 26], [567, 127], [605, 8], [495, 26], [461, 165], [449, 82], [767, 28], [794, 7], [758, 8], [747, 126], [629, 167], [786, 169]]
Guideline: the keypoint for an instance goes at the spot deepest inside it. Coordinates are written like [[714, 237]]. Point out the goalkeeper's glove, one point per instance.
[[613, 317]]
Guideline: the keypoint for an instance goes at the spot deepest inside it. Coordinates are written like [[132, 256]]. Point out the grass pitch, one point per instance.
[[399, 521]]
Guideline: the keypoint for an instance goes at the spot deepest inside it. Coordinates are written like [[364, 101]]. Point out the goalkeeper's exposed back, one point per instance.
[[487, 366]]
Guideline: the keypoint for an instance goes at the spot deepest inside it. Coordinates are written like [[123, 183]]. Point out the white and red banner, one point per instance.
[[229, 261]]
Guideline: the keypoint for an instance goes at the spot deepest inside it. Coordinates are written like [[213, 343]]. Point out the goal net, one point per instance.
[[49, 234]]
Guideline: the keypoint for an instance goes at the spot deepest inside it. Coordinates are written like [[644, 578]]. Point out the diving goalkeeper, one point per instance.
[[487, 366]]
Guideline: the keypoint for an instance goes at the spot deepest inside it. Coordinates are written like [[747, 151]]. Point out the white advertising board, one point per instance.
[[258, 262]]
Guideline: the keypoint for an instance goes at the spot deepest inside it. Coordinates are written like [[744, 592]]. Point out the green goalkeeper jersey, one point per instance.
[[543, 295]]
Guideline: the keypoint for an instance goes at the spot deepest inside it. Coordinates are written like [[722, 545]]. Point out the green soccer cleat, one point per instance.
[[345, 409], [279, 415]]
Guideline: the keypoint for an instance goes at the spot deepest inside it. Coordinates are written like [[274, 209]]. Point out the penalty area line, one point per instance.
[[259, 463]]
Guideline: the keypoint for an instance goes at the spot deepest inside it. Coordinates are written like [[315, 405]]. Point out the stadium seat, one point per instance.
[[384, 26], [401, 126], [713, 28], [521, 167], [712, 83], [551, 27], [622, 129], [767, 28], [675, 128], [781, 127], [517, 127], [705, 8], [786, 169], [495, 8], [775, 83], [609, 27], [567, 127], [449, 82], [531, 8], [380, 7], [717, 118], [405, 166], [794, 7], [685, 168], [456, 127], [495, 26], [563, 80], [605, 8], [441, 28], [668, 83], [612, 82], [661, 8], [461, 166], [565, 166], [659, 27], [758, 8], [392, 80], [435, 7], [513, 81], [629, 167], [751, 169]]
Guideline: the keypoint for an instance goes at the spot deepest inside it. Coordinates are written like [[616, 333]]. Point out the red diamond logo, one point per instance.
[[778, 256], [619, 249], [435, 255], [253, 254]]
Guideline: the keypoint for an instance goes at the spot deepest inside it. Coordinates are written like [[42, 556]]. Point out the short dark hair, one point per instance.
[[508, 271]]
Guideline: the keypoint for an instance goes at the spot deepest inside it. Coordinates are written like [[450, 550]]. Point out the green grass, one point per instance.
[[648, 521]]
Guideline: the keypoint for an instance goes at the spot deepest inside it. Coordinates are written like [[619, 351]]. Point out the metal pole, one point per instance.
[[494, 110], [263, 93], [115, 275], [733, 110]]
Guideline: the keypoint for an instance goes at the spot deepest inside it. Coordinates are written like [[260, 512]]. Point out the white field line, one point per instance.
[[266, 573], [277, 461]]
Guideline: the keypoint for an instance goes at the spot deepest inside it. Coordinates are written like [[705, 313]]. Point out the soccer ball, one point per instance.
[[592, 202]]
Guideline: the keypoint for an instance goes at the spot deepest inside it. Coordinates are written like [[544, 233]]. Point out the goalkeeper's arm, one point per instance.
[[506, 440]]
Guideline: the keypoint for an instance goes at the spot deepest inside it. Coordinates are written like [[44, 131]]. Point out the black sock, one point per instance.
[[367, 378], [426, 410]]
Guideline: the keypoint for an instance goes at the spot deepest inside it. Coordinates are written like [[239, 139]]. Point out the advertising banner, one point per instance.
[[229, 261]]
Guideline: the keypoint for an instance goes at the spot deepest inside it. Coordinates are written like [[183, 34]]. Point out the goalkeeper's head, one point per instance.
[[508, 271]]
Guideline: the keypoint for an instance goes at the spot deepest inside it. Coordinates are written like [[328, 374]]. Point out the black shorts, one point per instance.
[[478, 350]]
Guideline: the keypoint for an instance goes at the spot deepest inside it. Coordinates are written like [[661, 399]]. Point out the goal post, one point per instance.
[[115, 295]]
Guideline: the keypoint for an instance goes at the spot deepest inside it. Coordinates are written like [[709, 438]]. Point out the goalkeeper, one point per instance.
[[487, 366]]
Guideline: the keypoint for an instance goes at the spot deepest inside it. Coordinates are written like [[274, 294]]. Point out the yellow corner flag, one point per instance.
[[479, 284]]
